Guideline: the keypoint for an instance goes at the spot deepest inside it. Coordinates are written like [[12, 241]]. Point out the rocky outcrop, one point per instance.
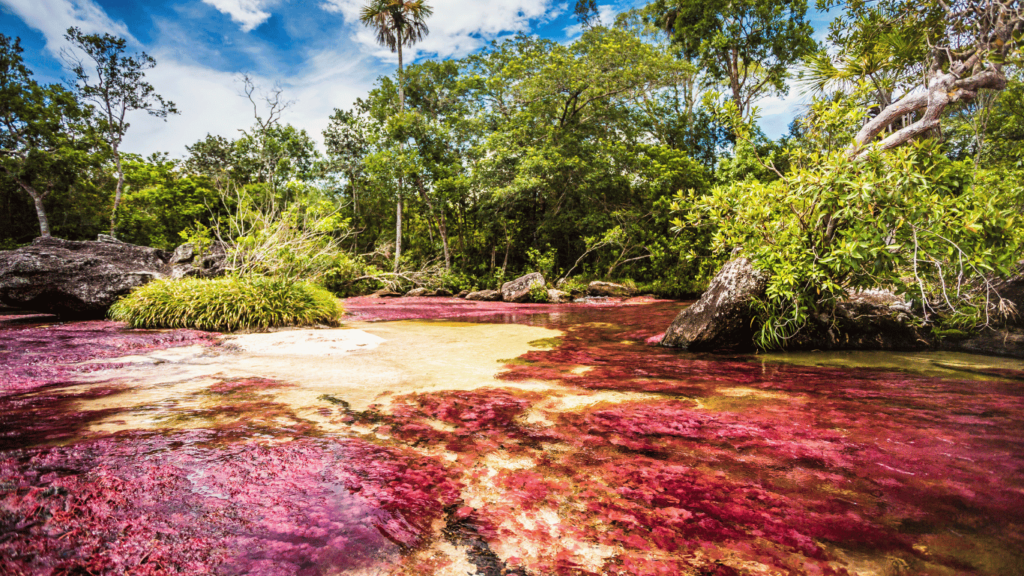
[[186, 262], [990, 341], [556, 296], [83, 279], [462, 294], [484, 296], [720, 320], [442, 293], [385, 293], [518, 290], [866, 320], [608, 289], [416, 292]]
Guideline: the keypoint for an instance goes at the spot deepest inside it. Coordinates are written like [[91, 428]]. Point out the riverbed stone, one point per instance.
[[416, 292], [462, 294], [609, 289], [556, 296], [720, 320], [484, 296], [386, 293], [518, 290], [442, 293]]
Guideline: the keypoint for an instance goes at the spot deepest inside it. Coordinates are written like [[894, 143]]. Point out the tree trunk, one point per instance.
[[438, 222], [398, 210], [117, 191], [37, 200]]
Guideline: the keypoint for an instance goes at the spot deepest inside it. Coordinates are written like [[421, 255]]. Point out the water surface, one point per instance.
[[441, 436]]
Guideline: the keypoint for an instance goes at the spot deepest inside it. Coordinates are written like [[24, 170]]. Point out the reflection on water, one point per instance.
[[505, 439]]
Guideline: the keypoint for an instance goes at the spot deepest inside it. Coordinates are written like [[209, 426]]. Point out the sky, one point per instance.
[[315, 50]]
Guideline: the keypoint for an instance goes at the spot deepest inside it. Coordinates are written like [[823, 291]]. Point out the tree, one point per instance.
[[749, 44], [586, 12], [397, 23], [968, 45], [42, 131], [117, 89]]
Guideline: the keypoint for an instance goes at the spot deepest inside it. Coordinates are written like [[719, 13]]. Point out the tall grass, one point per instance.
[[227, 304]]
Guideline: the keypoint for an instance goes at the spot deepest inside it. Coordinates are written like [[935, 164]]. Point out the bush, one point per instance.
[[227, 304], [910, 220]]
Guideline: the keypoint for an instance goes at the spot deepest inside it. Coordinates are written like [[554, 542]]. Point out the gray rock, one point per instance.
[[556, 296], [462, 294], [78, 280], [609, 289], [442, 292], [720, 320], [991, 342], [416, 292], [518, 290], [484, 296], [385, 293]]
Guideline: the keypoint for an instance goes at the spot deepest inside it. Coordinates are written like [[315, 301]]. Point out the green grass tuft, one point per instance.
[[227, 304]]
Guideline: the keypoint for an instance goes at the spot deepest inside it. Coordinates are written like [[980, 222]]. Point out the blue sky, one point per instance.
[[315, 50]]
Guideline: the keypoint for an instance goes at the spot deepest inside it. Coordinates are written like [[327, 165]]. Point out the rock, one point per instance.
[[518, 290], [990, 341], [608, 289], [556, 296], [76, 279], [462, 294], [416, 292], [720, 320], [484, 296], [442, 293], [385, 293], [866, 320]]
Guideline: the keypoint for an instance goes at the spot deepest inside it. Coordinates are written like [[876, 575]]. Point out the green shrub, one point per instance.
[[539, 294], [227, 304]]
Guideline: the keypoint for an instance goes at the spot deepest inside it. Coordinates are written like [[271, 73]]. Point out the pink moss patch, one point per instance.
[[40, 355], [186, 503]]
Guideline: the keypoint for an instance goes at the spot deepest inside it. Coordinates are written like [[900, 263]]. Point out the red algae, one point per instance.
[[189, 503], [697, 464], [40, 355]]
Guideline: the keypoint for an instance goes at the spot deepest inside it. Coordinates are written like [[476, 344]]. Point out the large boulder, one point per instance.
[[76, 279], [518, 290], [484, 296], [608, 289], [720, 320], [866, 320]]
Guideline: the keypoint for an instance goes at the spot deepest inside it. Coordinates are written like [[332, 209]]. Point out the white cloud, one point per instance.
[[54, 17], [457, 27], [249, 13]]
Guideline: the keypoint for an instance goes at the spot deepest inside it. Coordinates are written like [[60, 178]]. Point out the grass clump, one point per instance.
[[227, 304]]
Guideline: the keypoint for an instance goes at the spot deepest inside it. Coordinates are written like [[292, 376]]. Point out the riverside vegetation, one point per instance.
[[630, 154]]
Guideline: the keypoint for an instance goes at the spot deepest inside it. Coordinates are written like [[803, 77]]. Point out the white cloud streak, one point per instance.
[[248, 13], [53, 18], [457, 27]]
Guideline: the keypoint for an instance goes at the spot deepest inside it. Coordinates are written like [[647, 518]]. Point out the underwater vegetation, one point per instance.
[[631, 459]]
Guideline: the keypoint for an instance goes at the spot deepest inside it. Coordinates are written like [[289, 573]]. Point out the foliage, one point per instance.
[[910, 220], [113, 83], [45, 141], [227, 304], [749, 44]]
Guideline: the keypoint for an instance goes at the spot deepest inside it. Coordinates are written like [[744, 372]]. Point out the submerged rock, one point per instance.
[[721, 319], [518, 290], [609, 289], [484, 296]]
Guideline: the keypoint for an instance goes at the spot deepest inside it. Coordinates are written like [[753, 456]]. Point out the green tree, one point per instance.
[[116, 89], [397, 23], [44, 139], [748, 44]]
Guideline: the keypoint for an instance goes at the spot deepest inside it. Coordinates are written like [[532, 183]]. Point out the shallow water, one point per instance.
[[439, 436]]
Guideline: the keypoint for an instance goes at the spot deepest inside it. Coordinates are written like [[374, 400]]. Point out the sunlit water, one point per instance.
[[433, 436]]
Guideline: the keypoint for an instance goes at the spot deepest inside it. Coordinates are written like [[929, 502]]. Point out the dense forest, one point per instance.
[[632, 153]]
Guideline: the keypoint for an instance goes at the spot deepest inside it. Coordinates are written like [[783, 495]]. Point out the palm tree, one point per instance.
[[397, 23]]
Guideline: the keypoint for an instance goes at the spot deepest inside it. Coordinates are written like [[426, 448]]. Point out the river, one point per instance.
[[438, 436]]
